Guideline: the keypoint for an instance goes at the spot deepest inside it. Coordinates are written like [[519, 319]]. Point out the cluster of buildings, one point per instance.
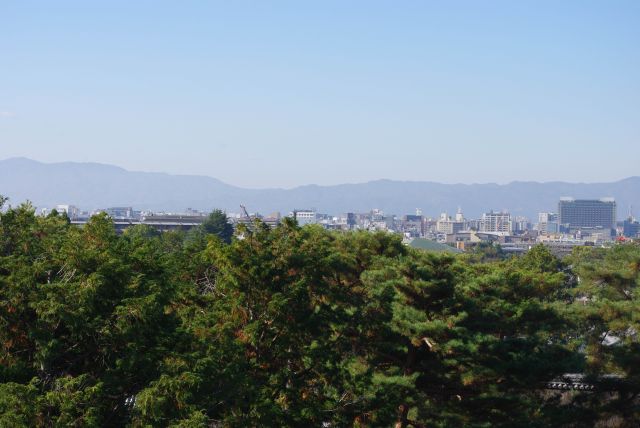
[[576, 222]]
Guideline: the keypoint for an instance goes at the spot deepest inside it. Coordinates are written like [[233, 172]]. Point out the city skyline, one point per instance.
[[278, 95], [46, 185]]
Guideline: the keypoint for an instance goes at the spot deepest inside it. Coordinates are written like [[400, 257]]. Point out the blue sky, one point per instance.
[[288, 93]]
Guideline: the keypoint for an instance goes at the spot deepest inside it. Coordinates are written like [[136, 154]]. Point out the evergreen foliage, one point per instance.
[[297, 326], [218, 224]]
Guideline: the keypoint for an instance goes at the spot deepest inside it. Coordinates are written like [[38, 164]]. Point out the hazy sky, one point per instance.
[[286, 93]]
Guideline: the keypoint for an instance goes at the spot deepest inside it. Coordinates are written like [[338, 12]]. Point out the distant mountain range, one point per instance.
[[92, 185]]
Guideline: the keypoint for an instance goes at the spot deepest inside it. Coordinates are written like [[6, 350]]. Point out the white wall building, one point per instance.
[[493, 222], [305, 217], [71, 210]]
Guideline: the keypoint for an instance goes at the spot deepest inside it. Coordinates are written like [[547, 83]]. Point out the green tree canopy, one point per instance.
[[298, 326], [217, 223]]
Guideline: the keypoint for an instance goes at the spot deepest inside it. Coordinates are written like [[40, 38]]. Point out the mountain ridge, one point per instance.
[[92, 185]]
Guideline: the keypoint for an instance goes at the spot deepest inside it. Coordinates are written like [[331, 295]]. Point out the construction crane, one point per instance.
[[248, 217], [246, 214]]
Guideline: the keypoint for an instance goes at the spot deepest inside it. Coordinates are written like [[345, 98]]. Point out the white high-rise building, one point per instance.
[[493, 222]]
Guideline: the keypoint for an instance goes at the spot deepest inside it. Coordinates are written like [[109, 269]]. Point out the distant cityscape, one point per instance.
[[575, 222]]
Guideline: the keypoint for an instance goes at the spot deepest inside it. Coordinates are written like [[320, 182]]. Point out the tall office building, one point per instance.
[[587, 213]]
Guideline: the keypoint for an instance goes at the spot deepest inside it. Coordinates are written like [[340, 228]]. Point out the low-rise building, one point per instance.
[[305, 217]]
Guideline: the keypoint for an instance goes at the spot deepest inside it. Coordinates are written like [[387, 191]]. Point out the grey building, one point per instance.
[[587, 213], [413, 225]]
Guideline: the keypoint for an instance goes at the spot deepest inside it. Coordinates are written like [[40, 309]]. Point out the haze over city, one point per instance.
[[285, 94]]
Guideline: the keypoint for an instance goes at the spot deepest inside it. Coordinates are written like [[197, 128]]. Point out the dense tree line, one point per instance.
[[297, 326]]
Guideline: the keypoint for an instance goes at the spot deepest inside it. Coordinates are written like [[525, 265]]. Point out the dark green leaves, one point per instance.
[[303, 327]]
